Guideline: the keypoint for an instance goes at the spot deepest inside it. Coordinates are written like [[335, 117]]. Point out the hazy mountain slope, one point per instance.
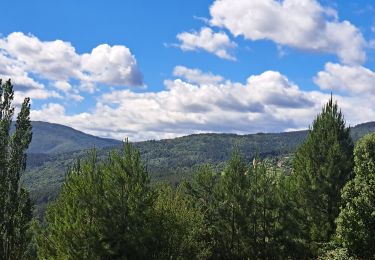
[[53, 138]]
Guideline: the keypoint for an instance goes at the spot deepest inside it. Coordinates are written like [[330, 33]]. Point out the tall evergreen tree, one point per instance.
[[103, 211], [201, 189], [356, 222], [15, 205], [322, 166], [268, 222], [230, 227]]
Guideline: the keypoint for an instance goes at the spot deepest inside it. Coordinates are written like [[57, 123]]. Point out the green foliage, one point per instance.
[[15, 204], [322, 165], [232, 208], [247, 211], [180, 226], [336, 254], [166, 160], [356, 222], [107, 210], [102, 212]]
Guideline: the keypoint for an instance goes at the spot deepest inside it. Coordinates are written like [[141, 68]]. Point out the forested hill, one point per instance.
[[54, 149], [51, 138]]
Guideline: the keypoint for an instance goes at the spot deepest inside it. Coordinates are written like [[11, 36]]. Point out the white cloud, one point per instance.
[[347, 79], [114, 66], [302, 24], [53, 60], [57, 63], [63, 86], [196, 75], [266, 102], [216, 43]]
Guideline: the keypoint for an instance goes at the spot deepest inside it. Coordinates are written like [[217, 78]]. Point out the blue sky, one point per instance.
[[160, 69]]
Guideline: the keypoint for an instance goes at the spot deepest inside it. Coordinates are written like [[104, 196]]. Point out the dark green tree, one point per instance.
[[104, 211], [201, 190], [108, 210], [356, 222], [249, 211], [322, 166], [15, 204], [270, 223], [233, 208]]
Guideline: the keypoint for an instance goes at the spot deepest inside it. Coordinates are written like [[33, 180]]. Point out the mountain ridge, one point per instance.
[[166, 160], [51, 138]]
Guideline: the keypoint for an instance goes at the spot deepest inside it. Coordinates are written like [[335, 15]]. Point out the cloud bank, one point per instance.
[[45, 69]]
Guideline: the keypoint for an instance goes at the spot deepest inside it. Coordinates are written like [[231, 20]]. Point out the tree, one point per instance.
[[232, 210], [104, 211], [356, 222], [201, 190], [180, 227], [322, 166], [108, 210], [248, 211], [15, 204]]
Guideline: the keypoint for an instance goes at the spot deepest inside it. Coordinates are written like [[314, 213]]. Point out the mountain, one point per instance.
[[170, 159], [51, 138]]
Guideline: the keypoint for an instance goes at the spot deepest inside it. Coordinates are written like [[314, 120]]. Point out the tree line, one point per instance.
[[108, 209]]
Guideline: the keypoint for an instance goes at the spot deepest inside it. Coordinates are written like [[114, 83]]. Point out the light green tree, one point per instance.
[[356, 222], [180, 227]]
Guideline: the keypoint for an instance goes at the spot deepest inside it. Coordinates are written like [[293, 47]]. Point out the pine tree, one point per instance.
[[265, 227], [356, 222], [104, 211], [322, 166], [230, 227], [201, 190], [15, 204]]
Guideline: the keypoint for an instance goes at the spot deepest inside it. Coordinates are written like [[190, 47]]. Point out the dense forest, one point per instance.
[[55, 147], [319, 203]]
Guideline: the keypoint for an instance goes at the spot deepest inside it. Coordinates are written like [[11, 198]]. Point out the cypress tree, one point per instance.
[[322, 166], [15, 204]]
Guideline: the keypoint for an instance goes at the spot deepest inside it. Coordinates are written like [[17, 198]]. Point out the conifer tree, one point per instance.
[[264, 220], [356, 222], [201, 190], [15, 204], [233, 208], [104, 211], [322, 166]]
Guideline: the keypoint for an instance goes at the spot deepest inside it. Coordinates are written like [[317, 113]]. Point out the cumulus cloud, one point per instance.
[[29, 61], [346, 79], [302, 24], [265, 102], [196, 75], [215, 43], [114, 66]]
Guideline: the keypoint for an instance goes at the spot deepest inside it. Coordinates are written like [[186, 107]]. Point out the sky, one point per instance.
[[161, 69]]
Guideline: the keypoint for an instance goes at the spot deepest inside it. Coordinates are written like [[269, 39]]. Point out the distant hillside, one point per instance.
[[54, 138], [171, 159]]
